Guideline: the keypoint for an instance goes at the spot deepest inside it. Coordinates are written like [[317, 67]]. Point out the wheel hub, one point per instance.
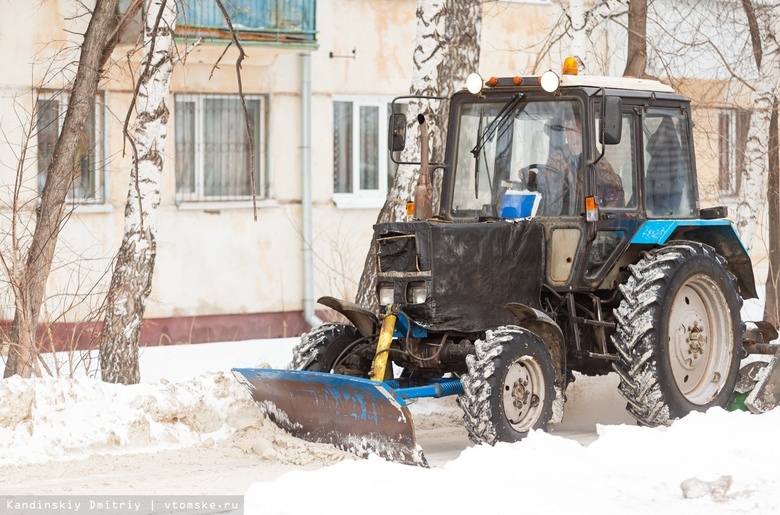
[[698, 339], [521, 401]]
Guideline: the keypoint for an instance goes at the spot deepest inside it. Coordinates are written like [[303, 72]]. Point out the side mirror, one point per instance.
[[397, 132], [612, 121]]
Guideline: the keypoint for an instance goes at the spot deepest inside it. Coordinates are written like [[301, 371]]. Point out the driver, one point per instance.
[[561, 181]]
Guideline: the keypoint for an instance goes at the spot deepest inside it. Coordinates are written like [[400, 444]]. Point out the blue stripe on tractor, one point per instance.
[[656, 232]]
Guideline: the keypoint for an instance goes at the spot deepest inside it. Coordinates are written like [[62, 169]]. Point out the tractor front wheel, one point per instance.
[[320, 349], [508, 390]]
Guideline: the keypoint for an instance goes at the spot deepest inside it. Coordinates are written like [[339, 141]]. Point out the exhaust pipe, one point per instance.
[[423, 194]]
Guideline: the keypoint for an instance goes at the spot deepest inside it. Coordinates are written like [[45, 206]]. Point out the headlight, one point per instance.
[[385, 294], [550, 81], [416, 293], [474, 83]]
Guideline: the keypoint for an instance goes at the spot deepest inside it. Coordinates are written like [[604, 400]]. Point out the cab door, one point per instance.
[[614, 184]]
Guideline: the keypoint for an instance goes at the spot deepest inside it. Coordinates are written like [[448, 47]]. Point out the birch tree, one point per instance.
[[771, 304], [763, 44], [766, 52], [131, 281], [577, 25], [100, 38], [447, 49]]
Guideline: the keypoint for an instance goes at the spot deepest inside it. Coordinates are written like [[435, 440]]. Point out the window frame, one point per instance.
[[199, 197], [360, 198], [100, 138], [631, 122], [689, 180], [732, 143]]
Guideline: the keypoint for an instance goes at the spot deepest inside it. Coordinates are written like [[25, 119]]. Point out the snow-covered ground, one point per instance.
[[597, 461]]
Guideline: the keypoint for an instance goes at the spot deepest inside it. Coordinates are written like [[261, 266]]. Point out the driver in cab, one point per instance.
[[562, 177]]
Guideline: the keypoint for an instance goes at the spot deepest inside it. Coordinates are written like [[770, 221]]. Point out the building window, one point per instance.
[[213, 150], [263, 20], [362, 168], [88, 165], [733, 127]]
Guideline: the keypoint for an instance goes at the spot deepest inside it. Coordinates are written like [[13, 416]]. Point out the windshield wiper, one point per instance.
[[476, 159], [496, 123], [491, 129]]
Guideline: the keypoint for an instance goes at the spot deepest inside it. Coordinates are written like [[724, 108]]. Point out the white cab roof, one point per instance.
[[615, 82]]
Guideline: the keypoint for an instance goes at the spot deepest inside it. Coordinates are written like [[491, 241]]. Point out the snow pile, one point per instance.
[[49, 419], [44, 419], [710, 463]]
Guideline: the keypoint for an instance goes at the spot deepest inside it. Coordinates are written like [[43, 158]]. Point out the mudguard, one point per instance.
[[354, 414]]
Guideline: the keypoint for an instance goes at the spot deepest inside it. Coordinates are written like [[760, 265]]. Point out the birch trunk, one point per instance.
[[579, 39], [131, 282], [771, 306], [31, 281], [753, 193], [446, 52]]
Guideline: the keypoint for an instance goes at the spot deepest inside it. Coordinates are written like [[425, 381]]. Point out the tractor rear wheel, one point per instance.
[[678, 334], [508, 390], [320, 348]]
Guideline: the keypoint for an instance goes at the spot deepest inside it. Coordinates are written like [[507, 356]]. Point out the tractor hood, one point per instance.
[[476, 269]]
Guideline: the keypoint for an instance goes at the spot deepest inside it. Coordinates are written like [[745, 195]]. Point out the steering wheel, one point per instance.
[[547, 199]]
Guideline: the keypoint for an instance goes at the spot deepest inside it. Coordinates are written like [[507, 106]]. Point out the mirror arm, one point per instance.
[[603, 127]]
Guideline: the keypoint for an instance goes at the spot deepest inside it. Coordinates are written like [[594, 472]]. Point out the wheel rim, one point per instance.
[[523, 395], [700, 340]]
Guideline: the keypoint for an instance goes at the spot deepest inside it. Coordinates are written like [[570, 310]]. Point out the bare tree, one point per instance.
[[131, 282], [756, 151], [447, 49], [95, 51], [772, 304], [636, 62], [576, 25]]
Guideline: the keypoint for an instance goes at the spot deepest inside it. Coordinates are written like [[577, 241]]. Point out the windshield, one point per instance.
[[536, 146]]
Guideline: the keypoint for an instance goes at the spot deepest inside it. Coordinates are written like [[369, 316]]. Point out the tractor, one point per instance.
[[569, 237]]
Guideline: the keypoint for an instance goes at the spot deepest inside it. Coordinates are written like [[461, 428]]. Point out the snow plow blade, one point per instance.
[[357, 415]]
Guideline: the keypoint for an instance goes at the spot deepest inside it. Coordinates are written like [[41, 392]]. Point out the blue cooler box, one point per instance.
[[518, 204]]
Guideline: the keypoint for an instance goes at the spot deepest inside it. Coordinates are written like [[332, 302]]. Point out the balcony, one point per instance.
[[282, 21]]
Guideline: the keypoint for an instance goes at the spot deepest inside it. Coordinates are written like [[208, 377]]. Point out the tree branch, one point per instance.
[[241, 56], [755, 33], [120, 29]]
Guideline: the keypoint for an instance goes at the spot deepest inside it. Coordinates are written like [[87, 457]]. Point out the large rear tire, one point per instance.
[[508, 390], [678, 334]]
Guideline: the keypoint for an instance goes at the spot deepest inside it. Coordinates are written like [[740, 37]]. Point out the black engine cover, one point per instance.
[[472, 270]]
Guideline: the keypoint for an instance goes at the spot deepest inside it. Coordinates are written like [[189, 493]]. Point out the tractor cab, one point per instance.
[[520, 148]]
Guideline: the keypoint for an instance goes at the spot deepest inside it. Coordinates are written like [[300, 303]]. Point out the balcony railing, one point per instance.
[[263, 20]]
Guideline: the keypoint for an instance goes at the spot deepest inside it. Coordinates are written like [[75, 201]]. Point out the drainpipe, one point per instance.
[[306, 203]]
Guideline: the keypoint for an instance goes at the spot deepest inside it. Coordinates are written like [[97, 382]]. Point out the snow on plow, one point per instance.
[[354, 414]]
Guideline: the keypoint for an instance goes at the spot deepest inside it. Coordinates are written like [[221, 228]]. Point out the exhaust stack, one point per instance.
[[423, 194]]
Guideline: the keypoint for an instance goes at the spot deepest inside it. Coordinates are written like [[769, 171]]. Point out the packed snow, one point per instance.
[[596, 461]]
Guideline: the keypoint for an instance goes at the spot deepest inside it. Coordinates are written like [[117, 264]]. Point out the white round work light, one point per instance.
[[550, 81], [474, 83]]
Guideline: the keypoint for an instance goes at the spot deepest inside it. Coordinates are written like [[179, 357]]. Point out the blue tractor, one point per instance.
[[569, 238]]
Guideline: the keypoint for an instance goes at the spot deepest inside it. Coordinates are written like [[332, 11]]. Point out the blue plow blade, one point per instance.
[[357, 415]]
